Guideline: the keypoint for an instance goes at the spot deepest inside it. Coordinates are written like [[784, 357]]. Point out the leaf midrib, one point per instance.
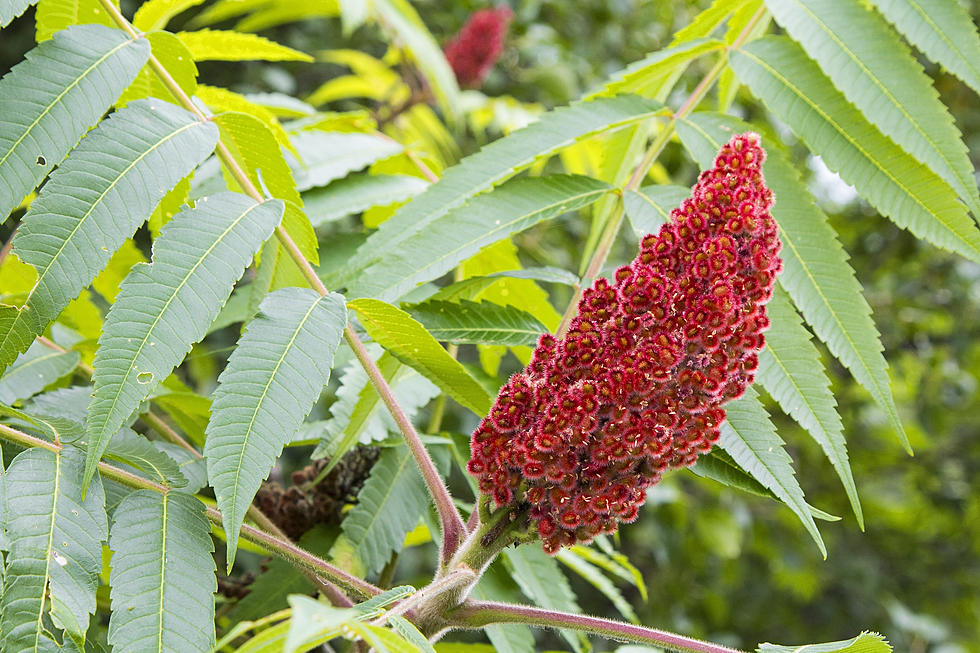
[[131, 368], [498, 228], [884, 89], [846, 136], [61, 95], [261, 400]]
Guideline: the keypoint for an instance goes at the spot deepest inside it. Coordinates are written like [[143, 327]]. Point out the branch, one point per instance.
[[272, 544], [450, 520], [453, 527], [477, 614]]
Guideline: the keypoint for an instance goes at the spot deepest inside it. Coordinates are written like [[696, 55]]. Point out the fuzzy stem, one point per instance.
[[477, 614], [448, 582], [451, 522], [274, 545], [449, 518]]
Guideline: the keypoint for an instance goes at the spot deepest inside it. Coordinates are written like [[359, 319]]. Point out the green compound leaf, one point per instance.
[[482, 323], [50, 99], [868, 62], [649, 208], [389, 505], [162, 574], [791, 372], [129, 447], [654, 74], [409, 342], [943, 30], [464, 231], [34, 370], [270, 384], [357, 193], [222, 45], [165, 307], [326, 156], [496, 162], [797, 92], [816, 272], [55, 547], [749, 437], [95, 201], [866, 642]]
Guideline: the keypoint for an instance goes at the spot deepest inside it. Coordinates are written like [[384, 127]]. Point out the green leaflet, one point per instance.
[[943, 30], [405, 26], [794, 88], [223, 45], [407, 340], [708, 20], [482, 323], [464, 231], [165, 307], [33, 370], [221, 99], [868, 62], [155, 14], [162, 574], [816, 272], [54, 428], [791, 372], [649, 208], [494, 163], [359, 415], [357, 193], [255, 146], [749, 437], [94, 202], [653, 75], [326, 156], [10, 9], [50, 99], [542, 581], [55, 540], [129, 447], [52, 16], [866, 642], [173, 55], [269, 385], [389, 505], [594, 576], [472, 287]]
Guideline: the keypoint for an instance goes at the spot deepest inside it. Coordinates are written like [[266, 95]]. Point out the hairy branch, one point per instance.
[[450, 520], [477, 614]]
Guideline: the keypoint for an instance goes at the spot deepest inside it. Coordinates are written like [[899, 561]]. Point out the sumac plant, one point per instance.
[[350, 277]]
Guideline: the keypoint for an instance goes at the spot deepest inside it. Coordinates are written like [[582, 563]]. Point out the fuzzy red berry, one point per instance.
[[637, 384], [477, 46]]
